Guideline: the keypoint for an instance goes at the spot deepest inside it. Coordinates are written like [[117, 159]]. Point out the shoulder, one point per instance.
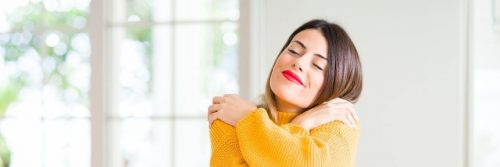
[[337, 127]]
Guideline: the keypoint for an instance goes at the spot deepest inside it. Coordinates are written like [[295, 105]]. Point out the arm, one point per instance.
[[263, 143], [224, 144], [345, 141], [223, 139]]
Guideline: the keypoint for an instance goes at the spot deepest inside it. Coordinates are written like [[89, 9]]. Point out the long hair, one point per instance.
[[343, 77]]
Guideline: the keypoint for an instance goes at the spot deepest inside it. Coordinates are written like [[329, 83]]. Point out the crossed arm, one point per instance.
[[257, 141]]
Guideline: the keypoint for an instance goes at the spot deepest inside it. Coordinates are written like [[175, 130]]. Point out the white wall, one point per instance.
[[415, 69]]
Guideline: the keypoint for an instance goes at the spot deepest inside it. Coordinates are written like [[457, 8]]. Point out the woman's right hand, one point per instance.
[[335, 109]]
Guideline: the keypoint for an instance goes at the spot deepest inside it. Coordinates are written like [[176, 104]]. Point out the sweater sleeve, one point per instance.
[[224, 144], [343, 141], [263, 143]]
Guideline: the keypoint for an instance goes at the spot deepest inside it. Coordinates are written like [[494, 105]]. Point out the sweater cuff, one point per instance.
[[221, 132]]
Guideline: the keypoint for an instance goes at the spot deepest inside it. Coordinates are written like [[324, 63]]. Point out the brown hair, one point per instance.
[[343, 77]]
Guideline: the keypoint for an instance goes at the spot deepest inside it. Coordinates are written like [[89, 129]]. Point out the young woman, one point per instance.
[[306, 118]]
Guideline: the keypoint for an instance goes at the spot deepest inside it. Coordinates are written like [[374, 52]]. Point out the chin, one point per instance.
[[291, 98]]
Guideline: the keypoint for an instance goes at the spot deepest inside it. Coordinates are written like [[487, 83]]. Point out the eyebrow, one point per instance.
[[304, 47]]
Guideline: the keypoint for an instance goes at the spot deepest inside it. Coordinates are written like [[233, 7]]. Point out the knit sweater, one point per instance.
[[258, 141]]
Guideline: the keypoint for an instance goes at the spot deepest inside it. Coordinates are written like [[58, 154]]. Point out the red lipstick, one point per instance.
[[289, 75]]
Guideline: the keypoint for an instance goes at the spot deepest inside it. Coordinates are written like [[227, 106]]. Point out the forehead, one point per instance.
[[313, 39]]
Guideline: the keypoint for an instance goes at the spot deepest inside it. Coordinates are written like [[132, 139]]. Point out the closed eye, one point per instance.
[[318, 67], [293, 52]]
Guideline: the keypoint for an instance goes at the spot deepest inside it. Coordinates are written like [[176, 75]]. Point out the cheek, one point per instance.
[[282, 59], [277, 68], [274, 79], [316, 83]]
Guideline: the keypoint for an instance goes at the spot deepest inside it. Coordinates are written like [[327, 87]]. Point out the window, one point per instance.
[[44, 80], [496, 14], [166, 59], [485, 52]]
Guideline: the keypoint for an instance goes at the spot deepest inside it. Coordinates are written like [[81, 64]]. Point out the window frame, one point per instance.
[[103, 92], [496, 14]]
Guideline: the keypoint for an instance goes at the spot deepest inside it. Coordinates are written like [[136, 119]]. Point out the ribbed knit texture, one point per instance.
[[258, 141]]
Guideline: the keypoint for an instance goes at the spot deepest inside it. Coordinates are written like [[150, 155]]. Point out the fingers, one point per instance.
[[347, 120], [350, 119], [212, 113], [354, 115], [213, 108], [211, 118], [345, 111], [352, 112], [339, 103], [230, 95], [217, 100], [222, 99], [351, 116]]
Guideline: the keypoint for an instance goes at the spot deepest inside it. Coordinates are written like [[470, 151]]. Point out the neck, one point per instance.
[[287, 107]]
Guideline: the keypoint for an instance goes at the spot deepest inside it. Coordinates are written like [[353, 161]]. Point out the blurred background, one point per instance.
[[126, 83]]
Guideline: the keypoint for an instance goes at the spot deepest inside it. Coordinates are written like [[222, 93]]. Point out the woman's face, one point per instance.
[[298, 74]]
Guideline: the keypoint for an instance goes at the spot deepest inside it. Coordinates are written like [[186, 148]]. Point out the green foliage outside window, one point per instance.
[[29, 25]]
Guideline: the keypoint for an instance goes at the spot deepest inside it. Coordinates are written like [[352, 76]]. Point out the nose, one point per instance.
[[300, 62], [297, 66]]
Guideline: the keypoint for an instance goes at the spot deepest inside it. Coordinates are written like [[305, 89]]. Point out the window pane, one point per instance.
[[44, 73], [162, 70], [68, 14], [485, 81], [24, 140], [132, 49], [67, 143], [161, 10], [52, 64], [206, 9], [192, 146], [158, 60], [21, 75], [144, 70], [20, 15], [487, 93], [66, 74], [206, 64], [141, 11], [139, 143]]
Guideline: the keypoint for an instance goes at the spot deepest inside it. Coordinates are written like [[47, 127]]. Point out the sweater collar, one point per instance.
[[285, 117]]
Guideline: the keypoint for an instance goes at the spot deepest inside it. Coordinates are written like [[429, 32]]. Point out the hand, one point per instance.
[[229, 108], [335, 109]]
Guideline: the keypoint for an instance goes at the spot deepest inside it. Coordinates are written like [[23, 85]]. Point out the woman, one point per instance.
[[306, 118]]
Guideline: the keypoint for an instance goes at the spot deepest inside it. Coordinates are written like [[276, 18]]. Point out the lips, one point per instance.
[[289, 75]]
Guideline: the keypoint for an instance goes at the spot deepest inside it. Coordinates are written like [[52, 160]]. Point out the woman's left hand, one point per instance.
[[335, 109], [229, 108]]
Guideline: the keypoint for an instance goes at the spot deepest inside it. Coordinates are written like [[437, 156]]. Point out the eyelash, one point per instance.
[[319, 68], [295, 53]]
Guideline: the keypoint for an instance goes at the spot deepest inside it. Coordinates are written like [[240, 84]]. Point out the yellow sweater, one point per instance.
[[258, 141]]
